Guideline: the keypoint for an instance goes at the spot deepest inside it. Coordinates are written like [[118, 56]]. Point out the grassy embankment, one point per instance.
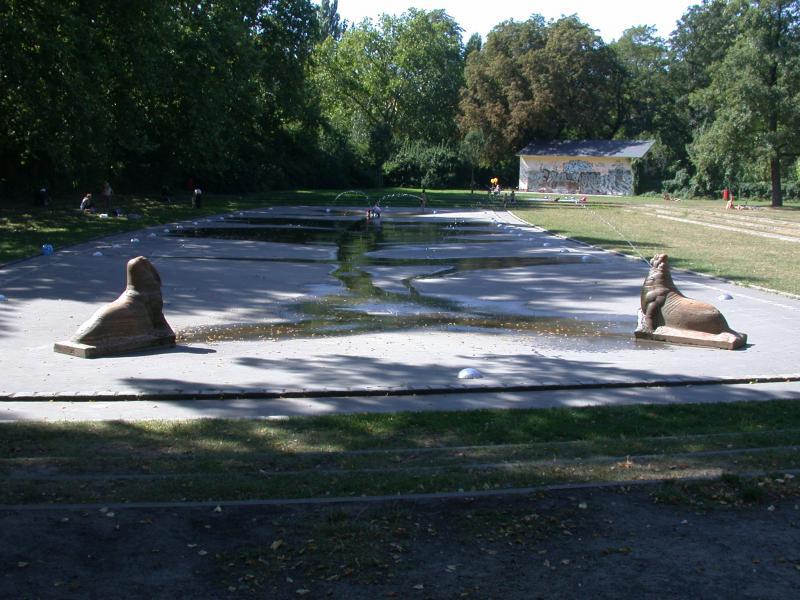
[[376, 454]]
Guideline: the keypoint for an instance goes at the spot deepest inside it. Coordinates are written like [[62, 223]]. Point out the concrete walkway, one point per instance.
[[582, 352]]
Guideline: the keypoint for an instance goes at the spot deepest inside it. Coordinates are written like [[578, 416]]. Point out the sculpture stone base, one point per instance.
[[128, 345], [724, 340], [134, 321]]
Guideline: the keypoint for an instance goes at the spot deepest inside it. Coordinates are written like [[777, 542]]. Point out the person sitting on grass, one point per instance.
[[87, 205], [729, 205]]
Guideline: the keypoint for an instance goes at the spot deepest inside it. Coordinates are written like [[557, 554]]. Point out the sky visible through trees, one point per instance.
[[610, 19]]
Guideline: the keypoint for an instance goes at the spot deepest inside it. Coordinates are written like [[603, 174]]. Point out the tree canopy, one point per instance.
[[395, 80], [753, 93], [153, 89], [534, 79], [256, 94]]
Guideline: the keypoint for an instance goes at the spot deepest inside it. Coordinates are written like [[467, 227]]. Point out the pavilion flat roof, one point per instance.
[[588, 148]]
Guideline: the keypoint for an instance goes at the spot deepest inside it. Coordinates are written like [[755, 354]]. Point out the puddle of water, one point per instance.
[[343, 322], [360, 306]]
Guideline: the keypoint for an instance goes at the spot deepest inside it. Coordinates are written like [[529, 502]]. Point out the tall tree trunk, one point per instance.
[[775, 174]]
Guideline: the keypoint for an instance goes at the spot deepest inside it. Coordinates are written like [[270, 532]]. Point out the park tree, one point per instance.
[[701, 39], [391, 81], [472, 150], [148, 90], [330, 23], [237, 87], [56, 95], [753, 98], [538, 80], [499, 99], [474, 44], [581, 76], [647, 103], [645, 95]]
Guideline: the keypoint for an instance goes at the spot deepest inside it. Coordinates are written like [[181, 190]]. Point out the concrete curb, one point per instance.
[[266, 394]]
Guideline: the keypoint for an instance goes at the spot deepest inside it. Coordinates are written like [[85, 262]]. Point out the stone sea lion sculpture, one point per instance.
[[667, 315], [132, 322]]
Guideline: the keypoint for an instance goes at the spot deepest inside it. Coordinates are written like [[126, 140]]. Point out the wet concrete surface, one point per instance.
[[310, 301]]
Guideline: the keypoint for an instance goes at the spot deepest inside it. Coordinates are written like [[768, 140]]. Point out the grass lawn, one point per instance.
[[698, 235], [387, 454]]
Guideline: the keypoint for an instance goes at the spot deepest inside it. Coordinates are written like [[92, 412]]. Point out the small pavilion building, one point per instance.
[[601, 167]]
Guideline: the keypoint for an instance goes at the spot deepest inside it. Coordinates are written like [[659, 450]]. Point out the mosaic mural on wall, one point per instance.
[[576, 176]]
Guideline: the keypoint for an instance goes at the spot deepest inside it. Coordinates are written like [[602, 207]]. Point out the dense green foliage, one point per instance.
[[538, 80], [152, 92], [754, 91], [262, 94], [390, 83]]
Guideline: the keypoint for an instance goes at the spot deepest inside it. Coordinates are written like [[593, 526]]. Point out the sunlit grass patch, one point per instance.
[[635, 228]]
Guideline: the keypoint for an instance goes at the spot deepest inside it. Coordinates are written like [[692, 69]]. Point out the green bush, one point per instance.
[[680, 184], [763, 189], [419, 165]]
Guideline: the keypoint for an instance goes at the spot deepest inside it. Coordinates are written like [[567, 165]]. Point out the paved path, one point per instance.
[[579, 350]]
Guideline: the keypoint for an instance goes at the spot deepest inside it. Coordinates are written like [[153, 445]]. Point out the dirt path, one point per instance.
[[641, 542]]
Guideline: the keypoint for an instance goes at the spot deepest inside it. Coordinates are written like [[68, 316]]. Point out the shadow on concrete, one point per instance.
[[339, 373], [162, 350]]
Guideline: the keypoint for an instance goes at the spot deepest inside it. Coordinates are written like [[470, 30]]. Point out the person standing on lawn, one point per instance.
[[107, 192]]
